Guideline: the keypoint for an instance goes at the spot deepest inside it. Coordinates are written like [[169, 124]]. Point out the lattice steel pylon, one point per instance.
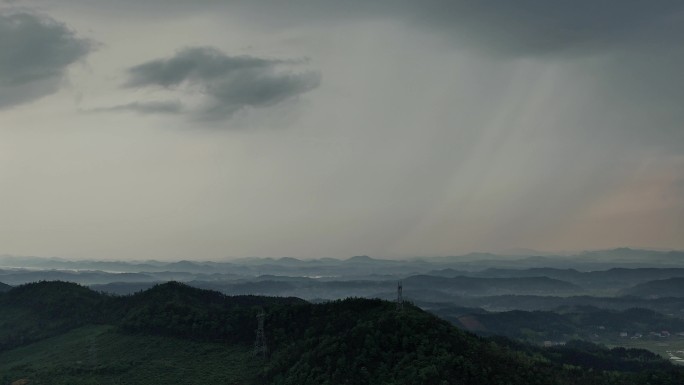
[[260, 342], [400, 297]]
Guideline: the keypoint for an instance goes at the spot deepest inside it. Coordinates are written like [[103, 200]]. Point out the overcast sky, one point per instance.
[[172, 129]]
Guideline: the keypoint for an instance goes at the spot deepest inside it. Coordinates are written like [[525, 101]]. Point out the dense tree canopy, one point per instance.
[[352, 341]]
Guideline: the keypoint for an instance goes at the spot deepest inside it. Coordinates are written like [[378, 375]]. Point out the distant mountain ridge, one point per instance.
[[310, 288], [597, 272], [483, 286], [630, 257], [671, 287]]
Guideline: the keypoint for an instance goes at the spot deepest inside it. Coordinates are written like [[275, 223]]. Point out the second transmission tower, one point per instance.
[[260, 342]]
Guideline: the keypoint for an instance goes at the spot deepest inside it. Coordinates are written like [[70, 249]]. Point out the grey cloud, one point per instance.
[[36, 50], [229, 83], [523, 27], [516, 28], [533, 27], [158, 107], [193, 64]]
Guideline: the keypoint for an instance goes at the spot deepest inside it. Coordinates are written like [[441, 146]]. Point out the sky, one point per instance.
[[210, 129]]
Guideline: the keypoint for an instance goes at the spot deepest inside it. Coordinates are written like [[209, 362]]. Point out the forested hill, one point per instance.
[[672, 287], [353, 341], [4, 287]]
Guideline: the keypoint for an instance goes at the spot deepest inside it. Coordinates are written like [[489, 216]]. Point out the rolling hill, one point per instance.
[[308, 288], [61, 333], [662, 288], [587, 323], [491, 286]]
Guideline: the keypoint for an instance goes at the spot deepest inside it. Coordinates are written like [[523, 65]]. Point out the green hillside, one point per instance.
[[59, 333], [101, 355]]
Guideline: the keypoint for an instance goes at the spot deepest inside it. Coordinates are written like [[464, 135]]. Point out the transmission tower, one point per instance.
[[400, 297], [260, 342]]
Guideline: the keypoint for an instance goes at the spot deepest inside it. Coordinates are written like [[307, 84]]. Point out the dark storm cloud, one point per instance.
[[533, 27], [229, 83], [35, 51], [523, 27], [517, 28]]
